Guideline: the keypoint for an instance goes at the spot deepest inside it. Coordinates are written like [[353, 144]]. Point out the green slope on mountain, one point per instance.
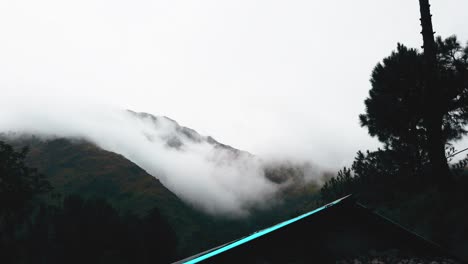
[[79, 167]]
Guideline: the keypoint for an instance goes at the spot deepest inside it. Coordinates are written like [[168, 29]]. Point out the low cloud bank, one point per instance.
[[211, 176]]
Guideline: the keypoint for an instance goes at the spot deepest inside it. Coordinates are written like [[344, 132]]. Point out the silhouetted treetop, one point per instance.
[[18, 183], [396, 104]]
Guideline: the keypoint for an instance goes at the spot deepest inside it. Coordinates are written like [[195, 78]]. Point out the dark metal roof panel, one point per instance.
[[218, 250]]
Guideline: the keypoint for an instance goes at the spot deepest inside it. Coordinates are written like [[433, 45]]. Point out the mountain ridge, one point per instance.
[[189, 133]]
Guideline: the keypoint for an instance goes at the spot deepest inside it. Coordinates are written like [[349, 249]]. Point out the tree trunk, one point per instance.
[[436, 148], [434, 102]]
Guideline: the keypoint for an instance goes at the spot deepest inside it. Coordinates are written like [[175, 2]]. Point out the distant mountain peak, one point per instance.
[[179, 134]]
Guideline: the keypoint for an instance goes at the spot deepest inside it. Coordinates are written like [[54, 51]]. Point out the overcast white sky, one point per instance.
[[266, 76]]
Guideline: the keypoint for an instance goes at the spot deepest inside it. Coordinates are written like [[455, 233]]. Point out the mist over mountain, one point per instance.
[[203, 172]]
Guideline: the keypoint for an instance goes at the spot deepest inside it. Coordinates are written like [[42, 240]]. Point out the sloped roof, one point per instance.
[[218, 250], [340, 229]]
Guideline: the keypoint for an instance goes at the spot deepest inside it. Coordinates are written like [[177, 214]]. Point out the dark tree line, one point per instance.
[[417, 107], [76, 231], [396, 114], [401, 179]]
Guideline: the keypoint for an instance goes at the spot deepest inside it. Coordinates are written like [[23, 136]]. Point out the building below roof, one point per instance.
[[341, 230]]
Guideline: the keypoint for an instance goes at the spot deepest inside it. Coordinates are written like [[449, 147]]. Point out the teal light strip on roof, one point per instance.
[[260, 233]]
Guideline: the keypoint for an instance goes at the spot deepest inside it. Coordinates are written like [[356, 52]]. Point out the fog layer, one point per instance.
[[201, 171]]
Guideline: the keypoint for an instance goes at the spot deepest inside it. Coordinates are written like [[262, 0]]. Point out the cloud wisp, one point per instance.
[[203, 172]]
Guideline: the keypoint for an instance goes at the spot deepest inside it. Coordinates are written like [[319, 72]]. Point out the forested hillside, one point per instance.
[[81, 173]]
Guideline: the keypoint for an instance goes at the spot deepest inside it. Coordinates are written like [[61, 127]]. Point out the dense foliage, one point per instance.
[[18, 186], [75, 231], [18, 183], [395, 107], [395, 179], [400, 106], [78, 167]]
